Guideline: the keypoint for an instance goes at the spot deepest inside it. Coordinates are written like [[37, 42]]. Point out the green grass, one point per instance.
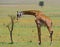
[[25, 31]]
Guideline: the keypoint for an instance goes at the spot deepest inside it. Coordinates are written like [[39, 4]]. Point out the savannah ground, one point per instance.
[[25, 31]]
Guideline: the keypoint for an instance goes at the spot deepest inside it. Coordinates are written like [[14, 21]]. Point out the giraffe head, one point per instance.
[[19, 14]]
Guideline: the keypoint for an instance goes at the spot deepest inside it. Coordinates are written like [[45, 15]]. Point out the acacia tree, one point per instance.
[[11, 28]]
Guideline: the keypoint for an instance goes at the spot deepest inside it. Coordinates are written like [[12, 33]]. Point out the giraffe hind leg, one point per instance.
[[51, 33]]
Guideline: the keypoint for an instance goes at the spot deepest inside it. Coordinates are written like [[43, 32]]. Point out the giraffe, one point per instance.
[[40, 19]]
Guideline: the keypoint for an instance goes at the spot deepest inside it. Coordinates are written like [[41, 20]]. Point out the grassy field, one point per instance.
[[25, 32]]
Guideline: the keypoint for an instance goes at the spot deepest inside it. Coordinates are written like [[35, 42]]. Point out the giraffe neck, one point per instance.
[[28, 13]]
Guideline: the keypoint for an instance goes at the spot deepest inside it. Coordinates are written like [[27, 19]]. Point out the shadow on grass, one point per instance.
[[5, 43]]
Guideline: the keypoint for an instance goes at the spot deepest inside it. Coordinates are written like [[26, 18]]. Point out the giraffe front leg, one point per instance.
[[39, 34], [39, 31]]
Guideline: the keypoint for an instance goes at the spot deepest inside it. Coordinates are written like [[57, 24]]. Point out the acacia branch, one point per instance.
[[8, 27], [11, 23]]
